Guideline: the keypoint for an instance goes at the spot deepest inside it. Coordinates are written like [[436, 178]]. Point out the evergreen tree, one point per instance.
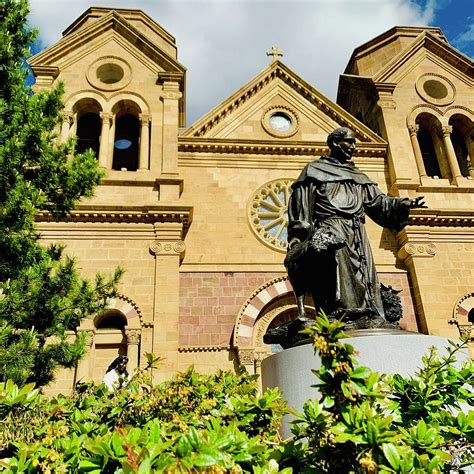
[[42, 295]]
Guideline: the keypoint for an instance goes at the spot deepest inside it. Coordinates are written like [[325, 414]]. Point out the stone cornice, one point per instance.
[[270, 147], [441, 218], [129, 214]]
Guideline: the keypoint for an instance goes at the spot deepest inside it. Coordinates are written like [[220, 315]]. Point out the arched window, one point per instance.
[[112, 321], [110, 341], [126, 142], [460, 140], [428, 152], [431, 147], [88, 133]]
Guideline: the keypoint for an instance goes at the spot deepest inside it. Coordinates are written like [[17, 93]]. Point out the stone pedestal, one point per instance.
[[390, 352]]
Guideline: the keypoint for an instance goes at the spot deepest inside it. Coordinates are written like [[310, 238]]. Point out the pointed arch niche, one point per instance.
[[116, 331], [270, 305]]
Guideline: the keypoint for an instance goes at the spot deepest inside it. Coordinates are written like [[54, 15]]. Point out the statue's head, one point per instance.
[[341, 142]]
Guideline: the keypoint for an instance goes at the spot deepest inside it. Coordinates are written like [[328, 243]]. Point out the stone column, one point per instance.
[[133, 342], [247, 359], [440, 151], [67, 124], [413, 129], [104, 139], [450, 153], [469, 139], [83, 366], [167, 250], [144, 158], [170, 96]]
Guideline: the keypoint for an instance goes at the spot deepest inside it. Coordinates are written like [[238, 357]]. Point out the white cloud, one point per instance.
[[222, 43]]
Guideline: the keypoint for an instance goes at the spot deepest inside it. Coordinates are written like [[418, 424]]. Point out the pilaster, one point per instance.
[[167, 249], [169, 182]]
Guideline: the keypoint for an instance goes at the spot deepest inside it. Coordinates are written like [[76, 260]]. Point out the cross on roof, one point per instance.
[[274, 53]]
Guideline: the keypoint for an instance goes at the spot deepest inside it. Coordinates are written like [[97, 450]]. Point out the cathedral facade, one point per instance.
[[197, 215]]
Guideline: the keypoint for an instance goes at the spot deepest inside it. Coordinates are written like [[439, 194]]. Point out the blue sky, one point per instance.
[[456, 19], [222, 43]]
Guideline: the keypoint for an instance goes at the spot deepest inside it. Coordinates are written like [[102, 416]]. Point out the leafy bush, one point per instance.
[[364, 422], [217, 423]]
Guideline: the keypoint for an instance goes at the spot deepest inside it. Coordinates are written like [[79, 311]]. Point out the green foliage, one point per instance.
[[41, 293], [207, 423], [366, 422], [363, 423]]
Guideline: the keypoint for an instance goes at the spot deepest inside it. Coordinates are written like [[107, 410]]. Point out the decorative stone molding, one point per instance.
[[246, 357], [243, 335], [107, 118], [301, 87], [290, 113], [130, 214], [167, 247], [128, 308], [446, 130], [413, 129], [68, 117], [463, 219], [462, 308], [417, 249], [435, 89], [109, 73], [267, 213], [145, 119], [133, 336], [203, 348], [262, 147]]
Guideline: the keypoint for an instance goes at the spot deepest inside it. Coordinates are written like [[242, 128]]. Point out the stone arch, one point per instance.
[[128, 99], [104, 344], [83, 97], [251, 309], [463, 315], [458, 110], [270, 302], [423, 108]]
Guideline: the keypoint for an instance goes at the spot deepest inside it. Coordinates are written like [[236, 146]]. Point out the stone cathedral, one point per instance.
[[197, 214]]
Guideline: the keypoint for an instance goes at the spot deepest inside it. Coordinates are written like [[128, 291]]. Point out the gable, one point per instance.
[[110, 25], [437, 51], [245, 114]]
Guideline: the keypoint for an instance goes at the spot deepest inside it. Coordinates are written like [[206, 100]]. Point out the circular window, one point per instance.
[[268, 213], [280, 121], [435, 89], [109, 73]]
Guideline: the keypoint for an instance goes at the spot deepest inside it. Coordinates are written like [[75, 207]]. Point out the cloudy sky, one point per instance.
[[222, 43]]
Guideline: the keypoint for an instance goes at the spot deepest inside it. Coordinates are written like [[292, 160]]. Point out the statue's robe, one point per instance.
[[337, 196]]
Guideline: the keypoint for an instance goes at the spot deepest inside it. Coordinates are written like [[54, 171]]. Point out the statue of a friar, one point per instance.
[[329, 254]]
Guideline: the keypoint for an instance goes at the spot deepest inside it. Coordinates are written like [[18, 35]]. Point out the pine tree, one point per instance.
[[42, 296]]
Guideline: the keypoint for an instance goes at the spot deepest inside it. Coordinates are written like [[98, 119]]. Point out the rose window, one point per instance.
[[268, 213]]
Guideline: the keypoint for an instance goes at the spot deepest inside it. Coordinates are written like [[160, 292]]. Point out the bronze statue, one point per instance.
[[329, 255]]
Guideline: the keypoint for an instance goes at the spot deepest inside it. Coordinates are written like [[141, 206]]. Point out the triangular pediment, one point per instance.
[[437, 51], [111, 26], [243, 116]]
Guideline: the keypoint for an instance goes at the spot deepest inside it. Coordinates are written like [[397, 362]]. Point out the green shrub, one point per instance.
[[364, 422]]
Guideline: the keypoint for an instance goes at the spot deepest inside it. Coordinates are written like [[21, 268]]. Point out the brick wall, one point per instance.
[[210, 302]]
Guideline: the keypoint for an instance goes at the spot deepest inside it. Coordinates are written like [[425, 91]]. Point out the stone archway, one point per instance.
[[273, 301], [123, 340]]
